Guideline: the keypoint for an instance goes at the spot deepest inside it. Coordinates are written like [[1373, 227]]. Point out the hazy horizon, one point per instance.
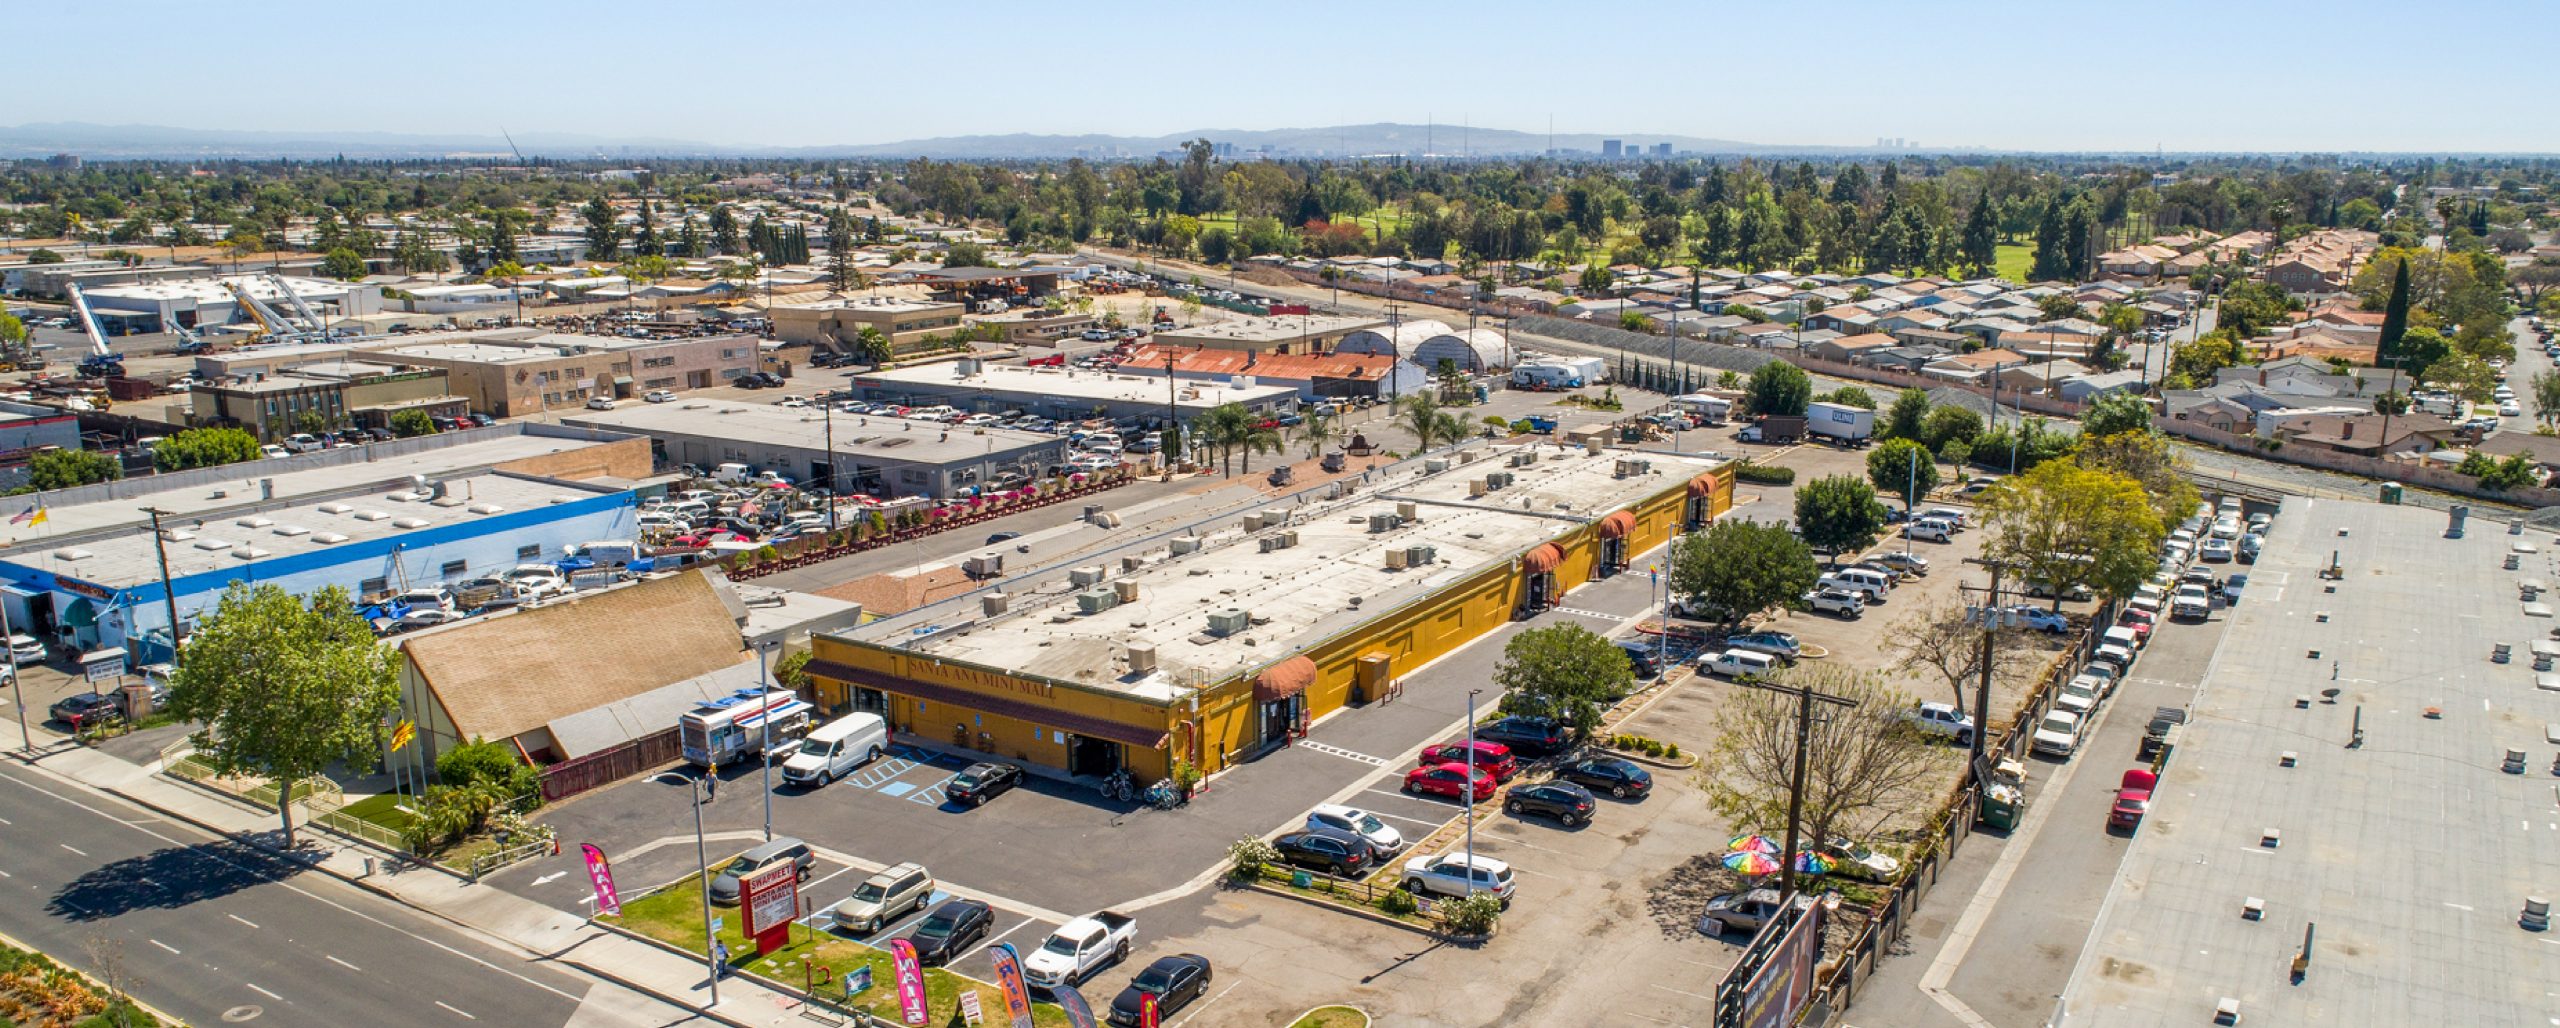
[[2178, 75]]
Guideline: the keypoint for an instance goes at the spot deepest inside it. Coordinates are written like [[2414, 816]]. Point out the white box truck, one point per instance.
[[1840, 423]]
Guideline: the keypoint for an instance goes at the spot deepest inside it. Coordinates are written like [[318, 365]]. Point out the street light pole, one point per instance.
[[702, 875], [168, 593], [764, 674], [1806, 697], [18, 692]]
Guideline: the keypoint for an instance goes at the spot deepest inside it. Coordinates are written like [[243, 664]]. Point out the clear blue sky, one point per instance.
[[2055, 75]]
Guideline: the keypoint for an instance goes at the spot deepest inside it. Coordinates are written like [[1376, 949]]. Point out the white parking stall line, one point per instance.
[[344, 964], [812, 886], [465, 1013], [1337, 751], [253, 987], [1204, 1005], [242, 920], [173, 950], [1424, 822], [932, 795], [992, 940]]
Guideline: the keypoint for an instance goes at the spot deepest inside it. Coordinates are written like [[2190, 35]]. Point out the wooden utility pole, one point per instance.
[[1806, 696]]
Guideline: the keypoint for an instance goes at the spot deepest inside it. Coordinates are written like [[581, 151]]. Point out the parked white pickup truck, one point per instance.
[[1079, 948]]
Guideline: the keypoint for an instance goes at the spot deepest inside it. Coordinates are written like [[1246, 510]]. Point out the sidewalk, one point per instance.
[[540, 932]]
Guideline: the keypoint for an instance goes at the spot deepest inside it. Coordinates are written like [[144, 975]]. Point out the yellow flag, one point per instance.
[[401, 734], [40, 517]]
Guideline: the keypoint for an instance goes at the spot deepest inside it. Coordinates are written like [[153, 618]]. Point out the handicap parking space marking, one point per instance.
[[897, 789], [932, 795], [1337, 751]]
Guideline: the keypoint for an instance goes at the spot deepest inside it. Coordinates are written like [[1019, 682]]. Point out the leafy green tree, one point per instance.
[[2068, 525], [1563, 671], [62, 469], [1738, 568], [1780, 388], [604, 230], [1217, 245], [873, 346], [343, 264], [407, 423], [1838, 514], [1596, 279], [2113, 414], [1950, 423], [2515, 472], [205, 448], [2146, 458], [284, 689], [1906, 418], [1980, 244], [1903, 468], [484, 764], [1850, 396]]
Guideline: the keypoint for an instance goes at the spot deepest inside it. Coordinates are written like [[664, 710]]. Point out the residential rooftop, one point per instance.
[[2402, 840], [1334, 578]]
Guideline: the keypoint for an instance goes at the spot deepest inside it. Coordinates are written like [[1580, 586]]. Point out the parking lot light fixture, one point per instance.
[[702, 874], [764, 675]]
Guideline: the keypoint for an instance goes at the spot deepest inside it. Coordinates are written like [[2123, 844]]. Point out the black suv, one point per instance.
[[1327, 849], [1527, 736]]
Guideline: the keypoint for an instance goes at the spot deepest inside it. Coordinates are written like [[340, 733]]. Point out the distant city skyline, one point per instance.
[[2181, 75]]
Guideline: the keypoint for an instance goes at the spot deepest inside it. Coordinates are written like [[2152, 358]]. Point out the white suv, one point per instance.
[[1941, 719]]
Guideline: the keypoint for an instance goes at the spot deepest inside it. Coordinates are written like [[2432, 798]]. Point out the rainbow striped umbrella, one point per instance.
[[1754, 843], [1813, 863], [1751, 862]]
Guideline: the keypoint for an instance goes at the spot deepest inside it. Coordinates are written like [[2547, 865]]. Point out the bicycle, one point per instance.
[[1119, 786], [1163, 796]]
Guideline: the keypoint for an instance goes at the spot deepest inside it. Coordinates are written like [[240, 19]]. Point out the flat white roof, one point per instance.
[[1069, 382], [1335, 578], [212, 290], [856, 434]]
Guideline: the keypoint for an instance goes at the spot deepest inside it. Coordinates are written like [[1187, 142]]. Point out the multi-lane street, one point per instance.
[[215, 931]]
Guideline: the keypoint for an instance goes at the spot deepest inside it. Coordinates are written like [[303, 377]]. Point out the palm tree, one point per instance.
[[1319, 430], [1430, 424], [873, 347], [1256, 438], [1453, 382], [1224, 428]]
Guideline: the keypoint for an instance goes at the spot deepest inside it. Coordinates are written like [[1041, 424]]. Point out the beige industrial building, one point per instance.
[[840, 324]]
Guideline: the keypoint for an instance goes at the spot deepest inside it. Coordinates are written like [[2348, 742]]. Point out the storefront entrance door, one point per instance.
[[1095, 757]]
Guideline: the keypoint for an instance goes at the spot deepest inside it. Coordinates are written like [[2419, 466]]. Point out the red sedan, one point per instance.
[[1449, 780], [1491, 757], [2140, 622], [2133, 799]]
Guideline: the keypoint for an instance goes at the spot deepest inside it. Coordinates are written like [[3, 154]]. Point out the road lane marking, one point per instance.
[[172, 949], [455, 1009], [253, 987], [266, 873], [2460, 907], [70, 847], [242, 920], [1685, 992], [341, 963], [1337, 751], [549, 878]]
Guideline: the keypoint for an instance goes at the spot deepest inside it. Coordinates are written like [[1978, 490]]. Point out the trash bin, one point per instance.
[[2390, 492]]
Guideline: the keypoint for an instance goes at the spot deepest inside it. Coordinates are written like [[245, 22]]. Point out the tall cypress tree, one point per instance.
[[1980, 245], [2395, 315]]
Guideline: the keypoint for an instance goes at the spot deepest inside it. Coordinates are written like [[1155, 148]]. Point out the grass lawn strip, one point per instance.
[[673, 915], [1332, 1017]]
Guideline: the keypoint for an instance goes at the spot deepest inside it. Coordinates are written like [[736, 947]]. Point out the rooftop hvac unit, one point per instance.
[[993, 604], [1435, 465], [1126, 589], [1476, 487], [1274, 517], [1085, 576], [1229, 621], [1129, 564], [1407, 511], [1184, 545], [1382, 521], [1253, 522], [983, 566], [1268, 543], [1501, 479], [1289, 538], [1523, 458], [1467, 456], [1623, 469], [1095, 601], [1398, 559], [1421, 555], [1594, 446], [1142, 660]]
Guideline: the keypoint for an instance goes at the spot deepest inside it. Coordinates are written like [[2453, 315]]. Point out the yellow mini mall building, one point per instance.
[[1213, 642]]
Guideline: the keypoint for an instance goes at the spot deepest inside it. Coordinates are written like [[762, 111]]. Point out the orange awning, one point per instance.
[[1618, 525], [1703, 485], [1547, 557], [1284, 679]]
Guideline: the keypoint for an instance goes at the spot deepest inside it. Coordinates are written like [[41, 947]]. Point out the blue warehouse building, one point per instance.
[[373, 520]]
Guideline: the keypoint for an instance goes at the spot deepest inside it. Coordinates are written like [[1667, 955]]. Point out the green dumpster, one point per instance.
[[2390, 492]]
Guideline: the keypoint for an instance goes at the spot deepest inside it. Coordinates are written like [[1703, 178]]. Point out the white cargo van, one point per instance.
[[837, 747]]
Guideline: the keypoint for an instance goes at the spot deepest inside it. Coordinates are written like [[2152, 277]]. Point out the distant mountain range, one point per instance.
[[110, 142]]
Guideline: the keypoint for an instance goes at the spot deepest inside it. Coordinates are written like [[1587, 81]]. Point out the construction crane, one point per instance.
[[272, 327], [318, 327], [102, 362]]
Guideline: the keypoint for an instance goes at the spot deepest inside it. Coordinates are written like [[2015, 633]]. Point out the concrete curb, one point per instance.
[[1365, 915], [1691, 760], [1365, 1018], [361, 882]]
